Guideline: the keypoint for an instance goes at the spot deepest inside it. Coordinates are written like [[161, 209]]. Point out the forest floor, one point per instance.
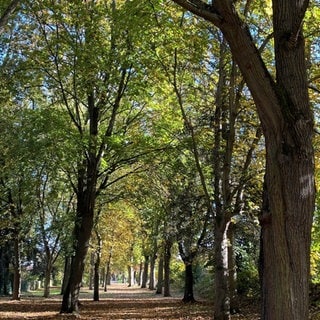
[[120, 302]]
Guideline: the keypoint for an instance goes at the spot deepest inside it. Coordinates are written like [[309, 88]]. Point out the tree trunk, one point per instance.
[[152, 266], [166, 263], [16, 292], [91, 272], [129, 275], [66, 274], [47, 278], [222, 294], [83, 228], [160, 276], [287, 217], [108, 273], [188, 283], [145, 273], [4, 269], [140, 274], [96, 276], [234, 301]]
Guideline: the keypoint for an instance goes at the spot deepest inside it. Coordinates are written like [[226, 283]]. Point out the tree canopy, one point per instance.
[[145, 139]]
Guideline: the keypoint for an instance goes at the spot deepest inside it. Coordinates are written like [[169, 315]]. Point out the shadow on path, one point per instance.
[[119, 302]]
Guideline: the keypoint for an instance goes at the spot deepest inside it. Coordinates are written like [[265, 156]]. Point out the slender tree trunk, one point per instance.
[[66, 273], [234, 301], [160, 276], [167, 258], [152, 267], [91, 273], [140, 273], [96, 276], [222, 294], [188, 282], [16, 294], [129, 275], [108, 273], [145, 273], [103, 277], [47, 278]]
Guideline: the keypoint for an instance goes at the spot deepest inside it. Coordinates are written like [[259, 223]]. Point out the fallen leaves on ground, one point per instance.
[[120, 302]]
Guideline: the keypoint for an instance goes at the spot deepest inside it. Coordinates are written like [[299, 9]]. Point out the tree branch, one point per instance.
[[201, 9], [5, 16]]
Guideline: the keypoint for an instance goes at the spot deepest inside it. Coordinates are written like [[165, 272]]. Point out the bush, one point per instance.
[[248, 281]]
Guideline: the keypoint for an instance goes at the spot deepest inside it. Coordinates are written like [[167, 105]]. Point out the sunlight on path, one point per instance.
[[119, 302], [122, 291]]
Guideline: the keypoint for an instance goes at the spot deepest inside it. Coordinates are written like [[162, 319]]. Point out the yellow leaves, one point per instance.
[[119, 226]]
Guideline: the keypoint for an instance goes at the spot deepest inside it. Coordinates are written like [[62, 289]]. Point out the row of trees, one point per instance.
[[128, 126]]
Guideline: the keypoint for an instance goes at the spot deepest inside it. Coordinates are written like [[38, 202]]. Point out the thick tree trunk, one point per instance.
[[286, 238], [160, 276], [188, 283]]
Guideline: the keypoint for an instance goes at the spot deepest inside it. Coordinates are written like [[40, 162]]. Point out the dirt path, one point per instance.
[[120, 302]]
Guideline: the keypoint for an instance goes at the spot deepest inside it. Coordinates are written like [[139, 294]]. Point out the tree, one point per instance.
[[220, 133], [191, 215], [287, 123], [86, 65]]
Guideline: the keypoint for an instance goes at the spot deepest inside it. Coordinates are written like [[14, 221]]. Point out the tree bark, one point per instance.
[[47, 278], [221, 275], [108, 272], [86, 198], [4, 270], [16, 292], [91, 272], [287, 123], [129, 268], [160, 276], [152, 267], [140, 273], [188, 283], [166, 267], [234, 300], [145, 273], [96, 277], [83, 228], [66, 274]]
